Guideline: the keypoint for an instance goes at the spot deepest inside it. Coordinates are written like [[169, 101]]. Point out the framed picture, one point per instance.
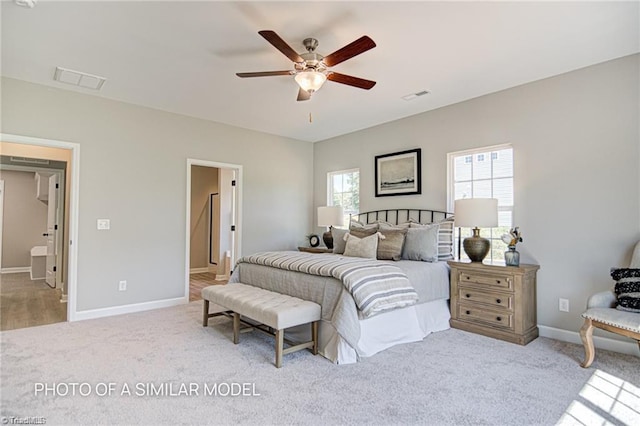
[[398, 173]]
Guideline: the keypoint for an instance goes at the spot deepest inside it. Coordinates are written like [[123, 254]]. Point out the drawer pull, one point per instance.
[[498, 300], [497, 281], [468, 312], [499, 318], [467, 295]]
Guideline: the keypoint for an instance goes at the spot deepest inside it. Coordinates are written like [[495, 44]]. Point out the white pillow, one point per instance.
[[366, 247]]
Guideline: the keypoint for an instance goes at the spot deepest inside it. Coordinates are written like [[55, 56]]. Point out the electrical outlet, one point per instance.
[[103, 224], [122, 286], [563, 305]]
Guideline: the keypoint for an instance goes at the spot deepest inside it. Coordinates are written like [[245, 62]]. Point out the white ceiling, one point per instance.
[[182, 56]]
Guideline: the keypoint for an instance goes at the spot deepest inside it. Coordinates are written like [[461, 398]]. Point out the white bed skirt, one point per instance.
[[383, 331]]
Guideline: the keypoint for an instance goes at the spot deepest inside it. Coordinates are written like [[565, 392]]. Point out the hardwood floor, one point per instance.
[[199, 281], [25, 303]]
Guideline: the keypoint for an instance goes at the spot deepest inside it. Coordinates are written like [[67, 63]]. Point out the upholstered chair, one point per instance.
[[602, 313]]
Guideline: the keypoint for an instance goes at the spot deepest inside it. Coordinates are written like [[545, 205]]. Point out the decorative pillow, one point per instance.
[[362, 232], [390, 248], [362, 247], [627, 288], [386, 226], [338, 239], [421, 243], [445, 237], [355, 225]]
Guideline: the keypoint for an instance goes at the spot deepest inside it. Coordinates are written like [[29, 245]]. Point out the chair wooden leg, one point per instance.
[[205, 314], [279, 347], [586, 334], [236, 327]]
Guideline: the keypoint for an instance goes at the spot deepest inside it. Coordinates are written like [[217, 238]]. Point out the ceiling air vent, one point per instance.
[[412, 96], [77, 78]]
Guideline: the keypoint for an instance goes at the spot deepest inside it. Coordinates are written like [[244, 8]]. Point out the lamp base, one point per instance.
[[328, 239], [476, 246]]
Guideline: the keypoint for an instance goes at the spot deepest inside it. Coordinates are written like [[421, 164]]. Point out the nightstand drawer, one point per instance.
[[496, 300], [474, 314], [505, 281]]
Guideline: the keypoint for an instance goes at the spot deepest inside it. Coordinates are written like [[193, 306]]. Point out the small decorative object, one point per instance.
[[398, 173], [314, 240], [512, 256], [330, 216], [476, 212]]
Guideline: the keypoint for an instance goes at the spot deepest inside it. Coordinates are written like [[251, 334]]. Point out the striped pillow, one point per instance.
[[445, 237], [627, 288]]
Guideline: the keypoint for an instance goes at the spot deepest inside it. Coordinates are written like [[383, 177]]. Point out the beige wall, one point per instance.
[[133, 168], [24, 220], [576, 146], [204, 181]]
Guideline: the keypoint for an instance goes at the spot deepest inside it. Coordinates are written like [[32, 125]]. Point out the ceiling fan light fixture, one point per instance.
[[310, 80]]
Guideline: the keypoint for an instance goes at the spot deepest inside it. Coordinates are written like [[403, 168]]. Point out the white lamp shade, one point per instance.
[[476, 212], [330, 216], [310, 80]]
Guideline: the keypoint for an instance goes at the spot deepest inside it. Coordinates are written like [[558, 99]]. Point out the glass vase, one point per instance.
[[512, 257]]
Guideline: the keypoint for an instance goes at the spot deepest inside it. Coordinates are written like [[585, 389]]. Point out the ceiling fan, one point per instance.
[[311, 69]]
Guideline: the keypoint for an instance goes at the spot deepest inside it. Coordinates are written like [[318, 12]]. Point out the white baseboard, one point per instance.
[[198, 270], [630, 347], [222, 277], [127, 309], [16, 270]]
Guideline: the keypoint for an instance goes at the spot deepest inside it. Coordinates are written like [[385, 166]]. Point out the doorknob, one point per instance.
[[45, 235]]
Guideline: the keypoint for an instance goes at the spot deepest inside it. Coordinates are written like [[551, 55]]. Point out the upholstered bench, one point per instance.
[[274, 310]]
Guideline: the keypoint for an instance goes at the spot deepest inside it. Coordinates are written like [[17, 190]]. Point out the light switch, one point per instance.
[[104, 224]]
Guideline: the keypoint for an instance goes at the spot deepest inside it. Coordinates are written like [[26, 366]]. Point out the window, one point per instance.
[[343, 189], [489, 176]]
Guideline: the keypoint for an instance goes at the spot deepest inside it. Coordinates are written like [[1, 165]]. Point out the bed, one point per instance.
[[346, 335]]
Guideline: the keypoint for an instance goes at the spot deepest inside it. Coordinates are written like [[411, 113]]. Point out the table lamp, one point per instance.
[[475, 213], [330, 216]]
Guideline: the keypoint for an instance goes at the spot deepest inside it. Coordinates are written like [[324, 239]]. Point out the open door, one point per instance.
[[52, 230]]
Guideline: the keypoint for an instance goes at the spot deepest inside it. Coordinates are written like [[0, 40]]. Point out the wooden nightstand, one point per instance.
[[315, 249], [493, 300]]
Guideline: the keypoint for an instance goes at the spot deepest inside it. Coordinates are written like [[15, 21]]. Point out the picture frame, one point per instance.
[[399, 173]]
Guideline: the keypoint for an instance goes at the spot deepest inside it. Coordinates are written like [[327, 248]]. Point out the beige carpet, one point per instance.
[[450, 378]]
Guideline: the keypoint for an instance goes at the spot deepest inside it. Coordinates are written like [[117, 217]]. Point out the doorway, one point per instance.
[[51, 168], [213, 231]]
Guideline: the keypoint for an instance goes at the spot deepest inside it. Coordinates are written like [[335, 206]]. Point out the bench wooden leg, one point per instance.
[[205, 314], [314, 337], [236, 327], [279, 347], [586, 334]]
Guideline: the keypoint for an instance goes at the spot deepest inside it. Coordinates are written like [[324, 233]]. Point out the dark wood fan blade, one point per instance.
[[263, 73], [303, 95], [281, 45], [351, 81], [355, 48]]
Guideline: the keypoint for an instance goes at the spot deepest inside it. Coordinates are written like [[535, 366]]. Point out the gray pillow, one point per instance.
[[390, 248], [445, 237], [338, 239], [421, 243]]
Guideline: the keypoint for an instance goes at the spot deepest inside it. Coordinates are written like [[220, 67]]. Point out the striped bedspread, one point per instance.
[[375, 286]]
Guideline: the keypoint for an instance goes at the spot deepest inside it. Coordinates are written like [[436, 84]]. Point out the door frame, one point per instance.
[[238, 213], [74, 190]]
